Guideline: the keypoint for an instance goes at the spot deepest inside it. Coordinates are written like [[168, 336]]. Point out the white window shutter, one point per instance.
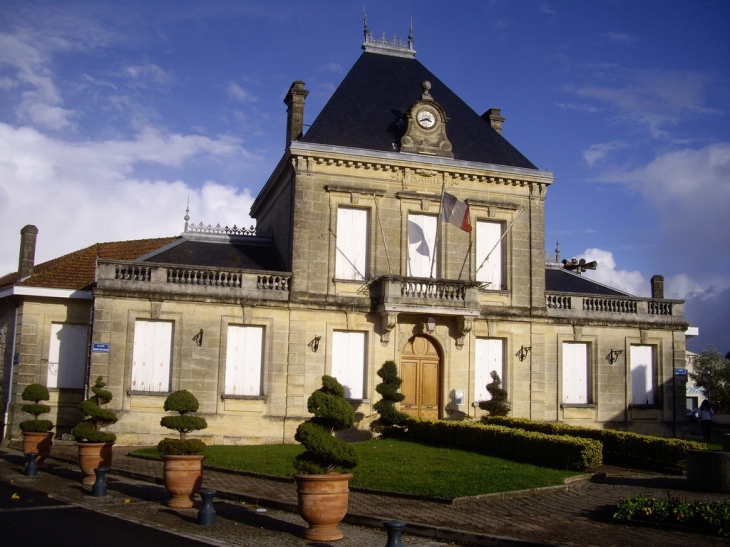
[[489, 357], [422, 245], [244, 360], [488, 234], [67, 356], [348, 362], [642, 375], [352, 244], [152, 356], [575, 373]]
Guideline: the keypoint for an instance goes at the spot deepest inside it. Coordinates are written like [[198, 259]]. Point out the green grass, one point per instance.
[[400, 465]]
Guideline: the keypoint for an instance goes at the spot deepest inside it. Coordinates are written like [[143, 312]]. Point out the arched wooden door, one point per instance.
[[420, 365]]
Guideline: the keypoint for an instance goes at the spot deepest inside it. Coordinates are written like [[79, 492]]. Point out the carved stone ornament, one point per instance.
[[426, 128], [464, 325], [389, 321]]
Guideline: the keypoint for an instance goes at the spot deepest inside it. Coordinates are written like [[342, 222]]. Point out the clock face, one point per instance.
[[426, 118]]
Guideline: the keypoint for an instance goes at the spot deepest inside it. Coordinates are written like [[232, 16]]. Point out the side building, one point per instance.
[[349, 266]]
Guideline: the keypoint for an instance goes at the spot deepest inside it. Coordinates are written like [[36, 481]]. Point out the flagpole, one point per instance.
[[438, 228]]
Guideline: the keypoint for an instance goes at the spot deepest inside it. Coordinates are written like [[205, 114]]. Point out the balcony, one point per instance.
[[620, 308], [146, 277]]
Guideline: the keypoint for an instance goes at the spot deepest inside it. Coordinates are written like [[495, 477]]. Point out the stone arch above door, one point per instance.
[[421, 375]]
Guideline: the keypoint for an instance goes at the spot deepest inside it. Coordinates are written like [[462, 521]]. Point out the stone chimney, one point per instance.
[[657, 287], [294, 101], [495, 118], [26, 259]]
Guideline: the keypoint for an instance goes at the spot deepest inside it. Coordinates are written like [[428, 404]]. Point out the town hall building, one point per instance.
[[400, 226]]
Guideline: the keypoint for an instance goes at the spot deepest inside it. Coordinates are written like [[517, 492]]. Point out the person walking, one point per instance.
[[705, 415]]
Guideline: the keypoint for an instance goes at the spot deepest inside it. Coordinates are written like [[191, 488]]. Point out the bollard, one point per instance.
[[99, 488], [206, 513], [394, 529], [31, 469]]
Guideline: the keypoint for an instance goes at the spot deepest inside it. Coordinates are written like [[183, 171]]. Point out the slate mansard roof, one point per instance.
[[365, 110], [239, 255], [562, 281]]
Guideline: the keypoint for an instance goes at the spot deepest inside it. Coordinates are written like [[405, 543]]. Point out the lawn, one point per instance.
[[400, 465]]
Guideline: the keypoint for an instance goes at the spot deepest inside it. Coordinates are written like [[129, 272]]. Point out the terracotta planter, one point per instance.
[[40, 443], [92, 455], [183, 478], [323, 504]]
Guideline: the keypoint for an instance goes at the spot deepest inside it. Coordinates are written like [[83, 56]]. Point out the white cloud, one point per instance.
[[597, 152], [619, 37], [332, 67], [631, 282], [689, 190], [81, 193], [236, 92], [578, 107], [148, 73]]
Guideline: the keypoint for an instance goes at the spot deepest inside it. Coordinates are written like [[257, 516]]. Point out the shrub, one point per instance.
[[182, 402], [388, 389], [714, 515], [89, 430], [671, 453], [556, 451], [325, 453], [497, 405], [35, 393]]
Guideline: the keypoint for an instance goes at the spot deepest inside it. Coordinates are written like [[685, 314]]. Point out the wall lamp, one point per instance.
[[429, 324], [522, 354], [198, 338], [613, 355], [314, 344]]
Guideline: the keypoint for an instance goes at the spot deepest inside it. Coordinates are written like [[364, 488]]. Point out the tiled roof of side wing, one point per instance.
[[365, 109], [77, 270]]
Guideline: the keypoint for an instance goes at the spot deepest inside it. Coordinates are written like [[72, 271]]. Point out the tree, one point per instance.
[[712, 374], [497, 405], [388, 389]]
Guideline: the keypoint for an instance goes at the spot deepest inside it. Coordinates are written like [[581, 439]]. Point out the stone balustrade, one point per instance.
[[612, 307], [162, 278]]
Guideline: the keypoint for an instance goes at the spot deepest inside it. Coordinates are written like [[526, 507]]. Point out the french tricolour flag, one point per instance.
[[455, 212]]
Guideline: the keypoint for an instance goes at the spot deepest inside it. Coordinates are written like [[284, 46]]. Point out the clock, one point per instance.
[[426, 118]]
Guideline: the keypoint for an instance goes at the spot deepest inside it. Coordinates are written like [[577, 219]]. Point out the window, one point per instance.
[[642, 375], [67, 356], [575, 373], [488, 234], [489, 357], [348, 362], [244, 360], [152, 356], [352, 244], [422, 245]]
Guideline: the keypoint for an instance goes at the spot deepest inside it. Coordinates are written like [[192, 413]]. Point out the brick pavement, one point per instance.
[[578, 516]]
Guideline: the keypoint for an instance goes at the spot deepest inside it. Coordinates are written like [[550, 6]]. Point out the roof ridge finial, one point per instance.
[[410, 34], [365, 24], [187, 213], [557, 249]]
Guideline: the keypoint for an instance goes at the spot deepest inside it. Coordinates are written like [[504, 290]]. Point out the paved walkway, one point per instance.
[[580, 515]]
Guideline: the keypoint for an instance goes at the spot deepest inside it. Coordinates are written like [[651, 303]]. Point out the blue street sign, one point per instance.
[[99, 348], [680, 372]]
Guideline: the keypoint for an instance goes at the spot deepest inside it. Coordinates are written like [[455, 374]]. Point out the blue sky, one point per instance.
[[113, 113]]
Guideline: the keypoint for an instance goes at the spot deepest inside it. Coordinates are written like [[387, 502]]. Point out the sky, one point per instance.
[[114, 114]]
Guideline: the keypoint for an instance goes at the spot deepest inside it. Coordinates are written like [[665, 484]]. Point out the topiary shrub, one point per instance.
[[325, 453], [182, 402], [390, 417], [497, 405], [35, 393], [96, 417]]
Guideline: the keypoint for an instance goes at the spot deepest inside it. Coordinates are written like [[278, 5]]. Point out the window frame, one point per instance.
[[480, 392], [652, 383], [587, 380], [135, 389], [226, 394], [363, 363], [340, 255], [434, 257], [83, 353], [490, 267]]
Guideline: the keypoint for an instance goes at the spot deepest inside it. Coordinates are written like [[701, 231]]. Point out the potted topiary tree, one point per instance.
[[37, 435], [390, 417], [95, 446], [183, 458], [497, 405], [321, 489]]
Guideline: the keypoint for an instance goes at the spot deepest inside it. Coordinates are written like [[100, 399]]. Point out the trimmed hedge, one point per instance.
[[556, 451], [671, 453]]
